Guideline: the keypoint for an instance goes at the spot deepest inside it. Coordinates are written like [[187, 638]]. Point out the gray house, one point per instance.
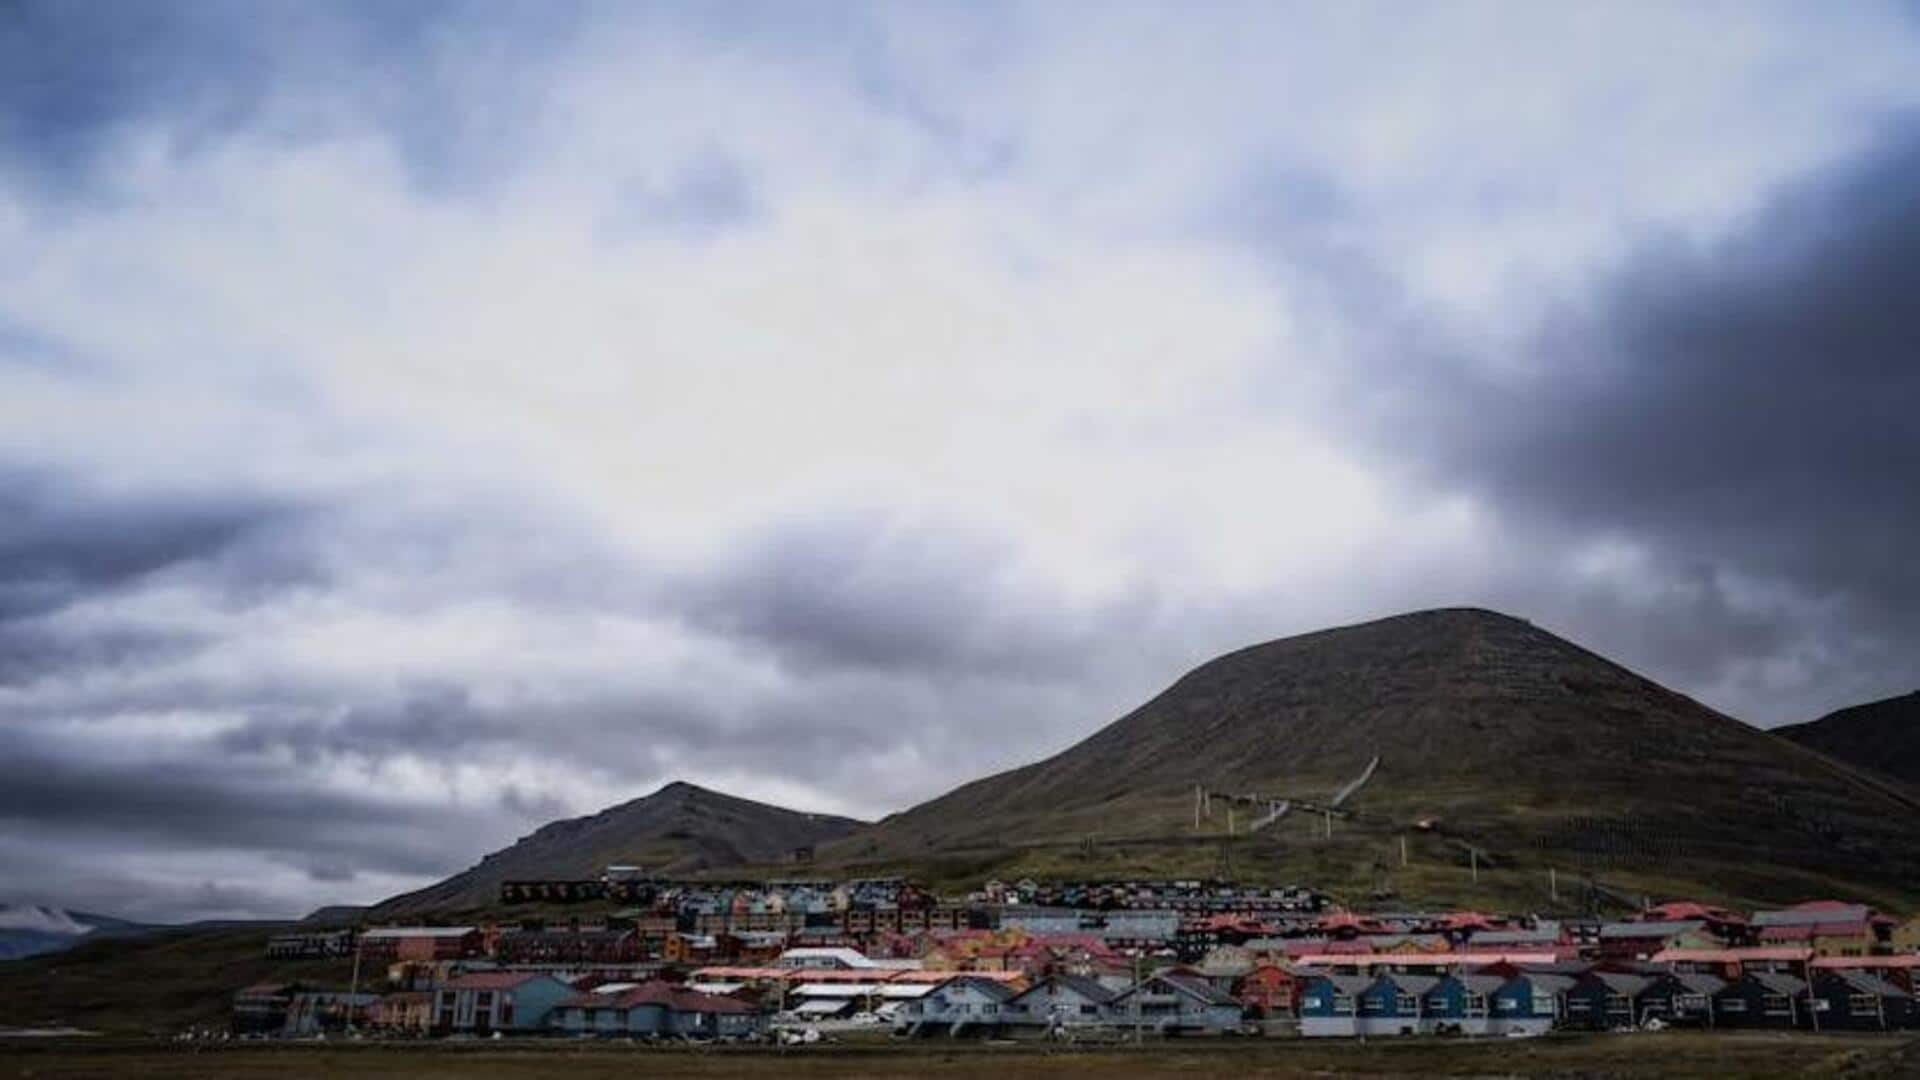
[[1059, 1004], [658, 1010], [1171, 1003], [963, 1005]]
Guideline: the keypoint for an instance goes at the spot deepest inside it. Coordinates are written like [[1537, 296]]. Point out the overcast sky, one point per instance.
[[420, 421]]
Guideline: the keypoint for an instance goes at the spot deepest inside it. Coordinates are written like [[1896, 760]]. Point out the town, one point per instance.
[[799, 961]]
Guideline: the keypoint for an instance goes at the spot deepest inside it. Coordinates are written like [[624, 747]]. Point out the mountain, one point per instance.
[[1883, 735], [680, 829], [1498, 744], [29, 929]]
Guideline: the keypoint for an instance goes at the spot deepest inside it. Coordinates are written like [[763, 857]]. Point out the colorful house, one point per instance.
[[1268, 989], [1530, 1002], [487, 1001]]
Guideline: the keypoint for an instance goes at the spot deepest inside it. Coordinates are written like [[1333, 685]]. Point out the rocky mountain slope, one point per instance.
[[680, 829], [1883, 735], [1499, 744]]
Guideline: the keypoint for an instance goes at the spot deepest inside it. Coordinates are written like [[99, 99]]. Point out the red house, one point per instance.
[[1269, 988]]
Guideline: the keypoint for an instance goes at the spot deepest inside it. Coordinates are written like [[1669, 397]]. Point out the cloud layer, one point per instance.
[[417, 424]]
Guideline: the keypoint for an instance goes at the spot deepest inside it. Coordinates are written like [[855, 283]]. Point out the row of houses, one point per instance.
[[1494, 1002]]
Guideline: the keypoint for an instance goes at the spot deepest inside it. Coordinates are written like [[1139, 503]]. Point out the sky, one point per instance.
[[422, 421]]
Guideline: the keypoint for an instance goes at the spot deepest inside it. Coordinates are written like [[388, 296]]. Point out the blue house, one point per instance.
[[1606, 1000], [1853, 1000], [1531, 1002], [1390, 1005], [1763, 999], [487, 1001], [1330, 1004]]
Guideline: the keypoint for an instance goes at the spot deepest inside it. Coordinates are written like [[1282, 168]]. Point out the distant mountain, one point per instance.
[[1883, 735], [679, 829], [28, 930], [1493, 736]]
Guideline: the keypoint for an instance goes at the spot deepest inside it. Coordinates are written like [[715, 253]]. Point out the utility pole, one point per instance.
[[1229, 818], [1473, 857], [353, 995], [1328, 814], [1403, 850], [1553, 883], [1137, 1040], [1198, 797]]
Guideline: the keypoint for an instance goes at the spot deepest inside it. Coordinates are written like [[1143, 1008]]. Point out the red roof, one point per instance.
[[1683, 910]]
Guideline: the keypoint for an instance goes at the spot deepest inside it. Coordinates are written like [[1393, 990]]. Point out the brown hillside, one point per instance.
[[1883, 735], [1532, 749], [680, 829]]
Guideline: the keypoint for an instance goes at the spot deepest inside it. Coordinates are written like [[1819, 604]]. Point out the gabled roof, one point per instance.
[[997, 989], [1190, 985], [1866, 983], [1551, 981], [1622, 983], [1091, 989], [1700, 982], [1483, 984], [1777, 983], [1351, 985], [1417, 985]]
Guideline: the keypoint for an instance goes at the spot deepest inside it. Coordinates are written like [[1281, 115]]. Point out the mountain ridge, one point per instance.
[[1882, 735], [680, 828]]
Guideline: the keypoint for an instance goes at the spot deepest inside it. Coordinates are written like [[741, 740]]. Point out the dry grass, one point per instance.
[[1666, 1055]]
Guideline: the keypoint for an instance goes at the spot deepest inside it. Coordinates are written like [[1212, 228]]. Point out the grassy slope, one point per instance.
[[163, 983], [1531, 749]]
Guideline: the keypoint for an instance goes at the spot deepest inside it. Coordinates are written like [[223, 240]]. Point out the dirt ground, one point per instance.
[[1672, 1054]]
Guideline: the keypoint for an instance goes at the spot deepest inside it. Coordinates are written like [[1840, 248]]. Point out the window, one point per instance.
[[1476, 1004], [1089, 1010], [1734, 1005], [1542, 1004], [1863, 1004], [1404, 1003], [1776, 1005]]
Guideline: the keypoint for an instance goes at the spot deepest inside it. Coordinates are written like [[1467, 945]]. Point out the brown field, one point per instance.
[[1671, 1054]]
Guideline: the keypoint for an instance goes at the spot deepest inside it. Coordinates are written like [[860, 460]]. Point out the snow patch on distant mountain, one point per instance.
[[43, 920]]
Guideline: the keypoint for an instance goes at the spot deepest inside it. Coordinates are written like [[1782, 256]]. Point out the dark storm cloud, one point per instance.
[[860, 592], [212, 803], [62, 541], [1747, 412]]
